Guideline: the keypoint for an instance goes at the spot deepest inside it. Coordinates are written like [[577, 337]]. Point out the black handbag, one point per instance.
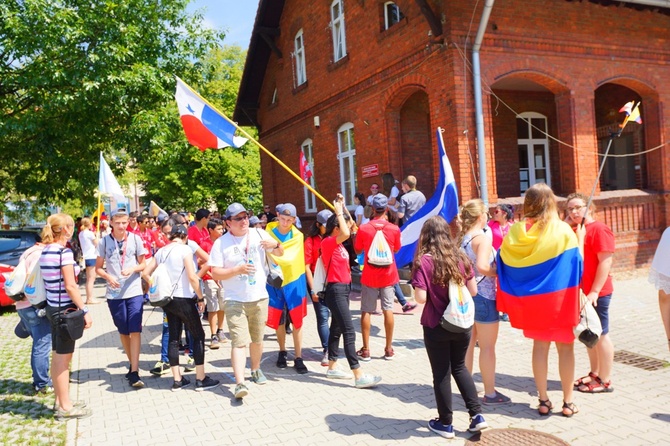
[[71, 320]]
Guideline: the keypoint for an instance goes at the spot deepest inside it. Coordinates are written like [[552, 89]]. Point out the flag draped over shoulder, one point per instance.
[[539, 271], [292, 264], [204, 126], [444, 202], [107, 183]]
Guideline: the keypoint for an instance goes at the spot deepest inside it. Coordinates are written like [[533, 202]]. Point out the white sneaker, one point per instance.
[[324, 361], [338, 374]]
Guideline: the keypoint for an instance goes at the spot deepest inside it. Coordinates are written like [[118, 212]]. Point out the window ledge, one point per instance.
[[300, 87], [335, 65]]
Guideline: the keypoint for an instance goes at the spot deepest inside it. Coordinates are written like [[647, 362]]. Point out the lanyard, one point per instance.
[[120, 252]]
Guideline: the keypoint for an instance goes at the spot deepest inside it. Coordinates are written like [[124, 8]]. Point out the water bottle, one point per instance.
[[252, 277]]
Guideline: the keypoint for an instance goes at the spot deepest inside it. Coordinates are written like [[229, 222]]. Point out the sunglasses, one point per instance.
[[246, 217]]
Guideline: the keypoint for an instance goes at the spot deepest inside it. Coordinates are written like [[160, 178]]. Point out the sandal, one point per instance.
[[544, 404], [597, 386], [571, 408], [581, 381]]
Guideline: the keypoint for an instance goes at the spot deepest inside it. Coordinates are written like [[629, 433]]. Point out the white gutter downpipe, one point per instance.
[[479, 113]]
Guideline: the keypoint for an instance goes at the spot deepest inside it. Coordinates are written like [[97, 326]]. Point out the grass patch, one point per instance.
[[25, 419]]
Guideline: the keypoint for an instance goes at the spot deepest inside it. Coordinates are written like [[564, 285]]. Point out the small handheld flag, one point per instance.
[[632, 111], [305, 169]]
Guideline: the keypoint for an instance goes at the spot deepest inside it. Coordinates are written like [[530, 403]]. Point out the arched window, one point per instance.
[[347, 157], [299, 55], [337, 25], [310, 199], [533, 145], [392, 14]]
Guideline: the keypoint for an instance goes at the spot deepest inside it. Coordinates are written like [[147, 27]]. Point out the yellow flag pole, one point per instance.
[[267, 152]]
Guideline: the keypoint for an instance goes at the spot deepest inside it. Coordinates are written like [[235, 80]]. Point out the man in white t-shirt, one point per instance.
[[237, 260]]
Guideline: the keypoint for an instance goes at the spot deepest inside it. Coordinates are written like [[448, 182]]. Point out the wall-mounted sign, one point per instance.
[[371, 170]]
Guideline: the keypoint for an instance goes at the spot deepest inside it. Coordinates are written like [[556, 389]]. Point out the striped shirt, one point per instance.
[[50, 264]]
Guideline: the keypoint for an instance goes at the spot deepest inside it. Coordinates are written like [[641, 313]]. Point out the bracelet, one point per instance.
[[200, 300]]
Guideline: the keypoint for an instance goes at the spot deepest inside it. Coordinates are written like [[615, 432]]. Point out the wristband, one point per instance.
[[200, 300]]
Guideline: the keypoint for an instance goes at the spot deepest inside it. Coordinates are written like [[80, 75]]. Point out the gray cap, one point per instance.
[[179, 230], [234, 209], [379, 202], [287, 209], [323, 216], [254, 220]]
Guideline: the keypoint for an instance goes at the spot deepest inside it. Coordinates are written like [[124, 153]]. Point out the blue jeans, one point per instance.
[[165, 337], [399, 295], [322, 314], [40, 330]]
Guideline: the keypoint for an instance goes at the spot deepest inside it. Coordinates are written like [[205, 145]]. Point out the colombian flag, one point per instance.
[[293, 292], [539, 271]]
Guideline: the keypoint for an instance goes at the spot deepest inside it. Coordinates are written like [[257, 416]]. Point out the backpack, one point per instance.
[[380, 253], [459, 316], [34, 289], [161, 288], [16, 280]]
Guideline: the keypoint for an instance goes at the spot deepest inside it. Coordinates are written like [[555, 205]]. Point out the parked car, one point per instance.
[[5, 270], [13, 243]]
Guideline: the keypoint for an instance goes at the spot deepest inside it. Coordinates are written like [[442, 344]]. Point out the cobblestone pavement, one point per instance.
[[310, 409]]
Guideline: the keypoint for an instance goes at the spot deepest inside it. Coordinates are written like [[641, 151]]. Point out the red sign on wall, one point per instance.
[[371, 170]]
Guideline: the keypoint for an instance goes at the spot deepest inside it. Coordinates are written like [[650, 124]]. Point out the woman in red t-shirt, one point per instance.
[[338, 285]]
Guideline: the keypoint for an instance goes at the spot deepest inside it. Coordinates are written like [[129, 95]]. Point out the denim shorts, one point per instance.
[[603, 310], [89, 262], [485, 310]]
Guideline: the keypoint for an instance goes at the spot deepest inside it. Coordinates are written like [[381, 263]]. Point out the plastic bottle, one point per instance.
[[252, 277]]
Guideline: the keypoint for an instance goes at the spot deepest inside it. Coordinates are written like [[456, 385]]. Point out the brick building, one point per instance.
[[361, 85]]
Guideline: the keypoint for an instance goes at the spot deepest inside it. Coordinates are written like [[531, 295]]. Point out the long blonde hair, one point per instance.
[[53, 230], [471, 211], [540, 204]]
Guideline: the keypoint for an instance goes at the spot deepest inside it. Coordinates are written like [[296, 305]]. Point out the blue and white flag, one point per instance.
[[444, 202]]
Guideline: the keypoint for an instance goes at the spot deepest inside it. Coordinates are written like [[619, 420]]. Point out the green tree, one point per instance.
[[179, 176], [78, 77]]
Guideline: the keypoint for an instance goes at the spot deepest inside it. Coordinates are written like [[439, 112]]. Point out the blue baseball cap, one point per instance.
[[234, 209]]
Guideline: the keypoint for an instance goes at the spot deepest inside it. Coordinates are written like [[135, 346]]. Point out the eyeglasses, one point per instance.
[[246, 217], [576, 208]]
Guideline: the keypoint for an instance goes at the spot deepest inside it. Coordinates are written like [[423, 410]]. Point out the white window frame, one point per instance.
[[347, 159], [388, 19], [299, 55], [530, 144], [339, 33], [310, 199]]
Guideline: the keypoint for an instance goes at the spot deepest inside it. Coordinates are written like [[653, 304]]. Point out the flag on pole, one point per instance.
[[107, 183], [204, 126], [98, 212], [632, 111], [156, 211], [444, 202], [305, 170]]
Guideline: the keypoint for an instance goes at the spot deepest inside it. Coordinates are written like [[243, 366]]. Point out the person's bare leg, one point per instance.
[[488, 335], [60, 376], [365, 329], [566, 368], [540, 367], [389, 323], [664, 306]]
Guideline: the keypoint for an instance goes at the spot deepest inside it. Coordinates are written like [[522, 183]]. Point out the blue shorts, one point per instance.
[[485, 310], [89, 262], [127, 314], [603, 310]]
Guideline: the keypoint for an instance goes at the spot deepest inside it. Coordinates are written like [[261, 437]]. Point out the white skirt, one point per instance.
[[659, 274]]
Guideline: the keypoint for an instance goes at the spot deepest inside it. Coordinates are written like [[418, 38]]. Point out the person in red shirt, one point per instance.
[[133, 226], [377, 282], [148, 236], [338, 285], [596, 283], [212, 291], [198, 232]]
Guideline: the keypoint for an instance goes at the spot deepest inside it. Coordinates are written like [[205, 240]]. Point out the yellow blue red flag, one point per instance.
[[293, 293], [539, 271]]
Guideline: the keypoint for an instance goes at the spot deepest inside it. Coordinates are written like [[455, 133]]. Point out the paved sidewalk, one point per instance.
[[309, 409]]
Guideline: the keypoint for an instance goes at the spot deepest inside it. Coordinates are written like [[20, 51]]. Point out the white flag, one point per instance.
[[107, 183]]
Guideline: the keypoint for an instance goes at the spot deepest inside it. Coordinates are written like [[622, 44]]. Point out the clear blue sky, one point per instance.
[[235, 17]]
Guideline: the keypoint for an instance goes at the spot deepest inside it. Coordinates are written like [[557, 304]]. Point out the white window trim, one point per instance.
[[310, 199], [530, 143], [299, 54], [338, 30], [387, 25], [350, 158]]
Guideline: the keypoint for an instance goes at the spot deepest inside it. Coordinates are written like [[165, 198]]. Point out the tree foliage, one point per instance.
[[82, 76]]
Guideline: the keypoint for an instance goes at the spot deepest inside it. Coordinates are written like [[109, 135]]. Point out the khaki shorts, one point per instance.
[[213, 295], [369, 298], [246, 321]]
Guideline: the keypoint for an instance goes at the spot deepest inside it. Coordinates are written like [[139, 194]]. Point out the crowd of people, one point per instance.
[[533, 270]]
